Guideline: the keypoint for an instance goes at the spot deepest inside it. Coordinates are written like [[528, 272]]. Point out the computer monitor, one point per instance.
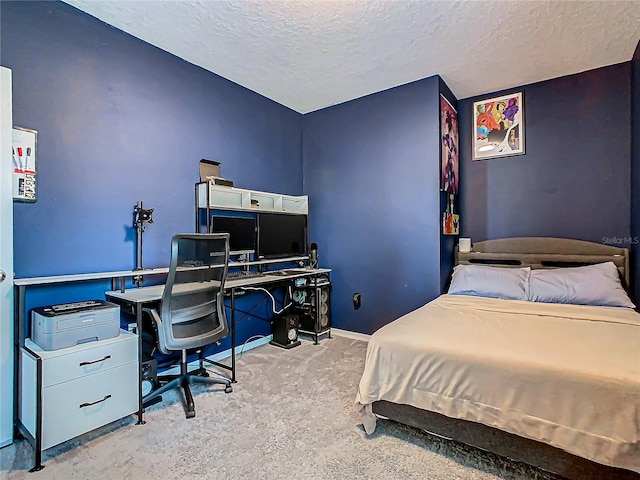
[[281, 235], [241, 230]]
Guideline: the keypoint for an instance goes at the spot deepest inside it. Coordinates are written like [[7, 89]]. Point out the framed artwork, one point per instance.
[[450, 220], [498, 126], [449, 141], [450, 224], [23, 158]]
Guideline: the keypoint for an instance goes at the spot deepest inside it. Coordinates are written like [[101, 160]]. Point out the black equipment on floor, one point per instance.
[[284, 329]]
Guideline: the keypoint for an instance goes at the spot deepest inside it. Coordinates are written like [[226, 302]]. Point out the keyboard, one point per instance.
[[244, 274]]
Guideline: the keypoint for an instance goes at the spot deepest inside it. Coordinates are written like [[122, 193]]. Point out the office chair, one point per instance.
[[191, 312]]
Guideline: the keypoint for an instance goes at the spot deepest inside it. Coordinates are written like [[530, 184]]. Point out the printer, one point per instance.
[[69, 324]]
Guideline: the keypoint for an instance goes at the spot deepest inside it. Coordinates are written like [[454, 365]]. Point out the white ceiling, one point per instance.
[[309, 55]]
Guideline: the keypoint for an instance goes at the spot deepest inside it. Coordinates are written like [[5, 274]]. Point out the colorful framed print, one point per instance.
[[449, 142], [450, 220], [450, 223], [498, 126]]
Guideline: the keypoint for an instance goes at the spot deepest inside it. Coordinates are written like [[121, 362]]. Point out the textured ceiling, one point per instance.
[[309, 55]]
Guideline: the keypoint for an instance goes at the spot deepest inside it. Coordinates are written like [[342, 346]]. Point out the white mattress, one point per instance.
[[565, 375]]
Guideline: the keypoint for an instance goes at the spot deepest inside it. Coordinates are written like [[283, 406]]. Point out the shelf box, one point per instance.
[[265, 202], [227, 199], [295, 204], [231, 198]]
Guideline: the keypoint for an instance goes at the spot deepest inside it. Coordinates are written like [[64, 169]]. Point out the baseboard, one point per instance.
[[216, 357], [354, 335]]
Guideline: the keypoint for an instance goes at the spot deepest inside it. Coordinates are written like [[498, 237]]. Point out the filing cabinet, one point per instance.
[[67, 392]]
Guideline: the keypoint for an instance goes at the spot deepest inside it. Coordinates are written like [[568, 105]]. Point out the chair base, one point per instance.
[[184, 381]]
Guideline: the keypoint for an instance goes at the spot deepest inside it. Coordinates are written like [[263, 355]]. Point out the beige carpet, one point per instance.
[[290, 416]]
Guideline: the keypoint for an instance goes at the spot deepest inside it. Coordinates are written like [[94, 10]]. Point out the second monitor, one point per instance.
[[281, 235]]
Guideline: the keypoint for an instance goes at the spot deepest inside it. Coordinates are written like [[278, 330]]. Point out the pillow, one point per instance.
[[597, 284], [493, 282]]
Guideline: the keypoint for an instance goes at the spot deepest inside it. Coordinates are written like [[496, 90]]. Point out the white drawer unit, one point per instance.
[[67, 392]]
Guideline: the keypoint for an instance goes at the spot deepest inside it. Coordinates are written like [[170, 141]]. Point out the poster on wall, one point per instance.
[[23, 158], [449, 140], [498, 124]]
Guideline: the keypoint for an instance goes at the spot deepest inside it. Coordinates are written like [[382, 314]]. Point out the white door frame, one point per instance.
[[6, 262]]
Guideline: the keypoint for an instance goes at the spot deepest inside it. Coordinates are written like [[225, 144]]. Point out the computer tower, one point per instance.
[[284, 329], [314, 306]]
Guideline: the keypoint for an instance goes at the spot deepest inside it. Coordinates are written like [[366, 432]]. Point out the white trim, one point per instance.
[[240, 349], [355, 335], [216, 357]]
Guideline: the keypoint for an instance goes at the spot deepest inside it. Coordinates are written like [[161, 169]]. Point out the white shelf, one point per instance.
[[220, 197]]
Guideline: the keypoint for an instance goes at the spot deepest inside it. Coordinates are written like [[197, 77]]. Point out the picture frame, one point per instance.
[[498, 127], [450, 219], [24, 164], [449, 166]]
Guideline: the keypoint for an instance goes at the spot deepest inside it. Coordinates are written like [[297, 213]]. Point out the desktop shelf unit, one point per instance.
[[210, 196], [314, 311]]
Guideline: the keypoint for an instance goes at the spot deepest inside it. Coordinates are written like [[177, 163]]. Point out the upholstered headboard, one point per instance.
[[545, 252]]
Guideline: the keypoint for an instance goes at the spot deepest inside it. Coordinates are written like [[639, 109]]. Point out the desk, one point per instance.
[[134, 300]]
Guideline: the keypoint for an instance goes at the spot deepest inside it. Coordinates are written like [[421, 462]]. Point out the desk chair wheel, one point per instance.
[[191, 414], [228, 389]]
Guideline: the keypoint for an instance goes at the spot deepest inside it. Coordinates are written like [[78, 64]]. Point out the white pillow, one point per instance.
[[597, 284], [493, 282]]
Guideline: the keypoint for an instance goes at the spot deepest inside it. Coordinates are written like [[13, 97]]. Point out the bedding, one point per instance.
[[493, 282], [566, 375], [589, 285]]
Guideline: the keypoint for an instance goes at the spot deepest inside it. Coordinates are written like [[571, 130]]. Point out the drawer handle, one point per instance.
[[106, 357], [88, 404]]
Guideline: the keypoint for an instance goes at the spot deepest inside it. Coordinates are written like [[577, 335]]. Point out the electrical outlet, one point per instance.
[[357, 301]]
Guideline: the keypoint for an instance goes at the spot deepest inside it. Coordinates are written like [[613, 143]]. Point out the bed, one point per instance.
[[533, 354]]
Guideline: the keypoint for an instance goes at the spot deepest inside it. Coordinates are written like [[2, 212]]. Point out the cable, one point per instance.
[[273, 300], [254, 337]]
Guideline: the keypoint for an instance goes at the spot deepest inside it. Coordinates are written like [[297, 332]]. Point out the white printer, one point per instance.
[[61, 326]]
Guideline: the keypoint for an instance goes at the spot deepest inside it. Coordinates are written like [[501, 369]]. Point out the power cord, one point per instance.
[[273, 300], [254, 337]]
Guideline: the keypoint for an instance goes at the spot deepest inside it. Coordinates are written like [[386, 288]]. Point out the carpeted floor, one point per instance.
[[290, 415]]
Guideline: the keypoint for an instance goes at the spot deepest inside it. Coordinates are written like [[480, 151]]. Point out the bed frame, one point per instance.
[[534, 252], [545, 252]]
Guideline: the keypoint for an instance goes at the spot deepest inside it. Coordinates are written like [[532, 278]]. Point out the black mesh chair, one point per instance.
[[191, 313]]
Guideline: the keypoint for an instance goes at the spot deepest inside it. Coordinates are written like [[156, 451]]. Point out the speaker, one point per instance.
[[318, 312], [284, 329], [149, 380]]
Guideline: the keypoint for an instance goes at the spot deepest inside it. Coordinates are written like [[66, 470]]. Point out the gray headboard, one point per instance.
[[545, 252]]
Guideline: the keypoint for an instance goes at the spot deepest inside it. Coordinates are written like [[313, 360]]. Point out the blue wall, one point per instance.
[[371, 169], [574, 179], [119, 121], [635, 168]]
